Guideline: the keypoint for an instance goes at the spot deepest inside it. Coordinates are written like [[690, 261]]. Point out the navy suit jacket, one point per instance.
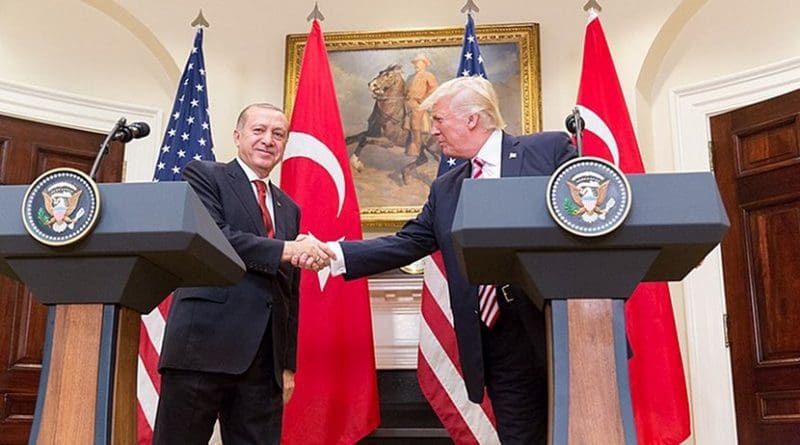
[[219, 329], [535, 155]]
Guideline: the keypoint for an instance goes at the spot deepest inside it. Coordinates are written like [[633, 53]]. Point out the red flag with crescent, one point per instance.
[[335, 400], [657, 381]]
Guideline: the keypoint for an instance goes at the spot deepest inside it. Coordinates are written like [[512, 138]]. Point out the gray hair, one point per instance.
[[243, 114], [469, 95]]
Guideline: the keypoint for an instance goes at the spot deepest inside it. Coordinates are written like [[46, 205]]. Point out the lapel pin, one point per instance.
[[512, 155]]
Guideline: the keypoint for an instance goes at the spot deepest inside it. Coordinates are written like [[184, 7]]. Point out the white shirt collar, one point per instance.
[[251, 175], [492, 153]]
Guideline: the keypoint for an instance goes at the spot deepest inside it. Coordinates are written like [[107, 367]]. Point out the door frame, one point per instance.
[[710, 380], [90, 114]]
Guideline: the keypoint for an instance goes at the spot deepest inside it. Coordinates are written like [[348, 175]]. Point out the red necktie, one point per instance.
[[487, 293], [261, 188]]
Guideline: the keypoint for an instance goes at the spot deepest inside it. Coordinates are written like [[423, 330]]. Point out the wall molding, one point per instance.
[[89, 114], [710, 381]]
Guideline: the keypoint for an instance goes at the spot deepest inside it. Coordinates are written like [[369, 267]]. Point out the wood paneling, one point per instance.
[[757, 166]]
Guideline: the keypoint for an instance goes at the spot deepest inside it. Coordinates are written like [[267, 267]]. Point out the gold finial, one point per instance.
[[315, 14], [200, 20]]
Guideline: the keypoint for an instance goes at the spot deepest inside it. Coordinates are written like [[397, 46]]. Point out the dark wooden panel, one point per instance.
[[18, 407], [780, 406], [773, 245], [768, 146], [48, 157]]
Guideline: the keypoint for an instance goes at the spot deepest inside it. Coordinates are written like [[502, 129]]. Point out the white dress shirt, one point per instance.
[[252, 176]]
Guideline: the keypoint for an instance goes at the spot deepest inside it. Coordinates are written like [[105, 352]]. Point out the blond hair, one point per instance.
[[469, 95]]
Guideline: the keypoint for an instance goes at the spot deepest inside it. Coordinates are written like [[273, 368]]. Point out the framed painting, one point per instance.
[[393, 170]]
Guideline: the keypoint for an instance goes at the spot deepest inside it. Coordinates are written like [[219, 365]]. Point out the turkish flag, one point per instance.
[[658, 385], [335, 400]]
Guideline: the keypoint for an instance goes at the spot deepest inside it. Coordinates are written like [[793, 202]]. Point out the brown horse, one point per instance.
[[386, 124]]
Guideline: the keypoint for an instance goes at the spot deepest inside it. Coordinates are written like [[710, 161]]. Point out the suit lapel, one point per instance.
[[280, 211], [511, 156], [244, 192]]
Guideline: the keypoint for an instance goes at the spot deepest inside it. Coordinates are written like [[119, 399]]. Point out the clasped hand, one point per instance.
[[308, 252]]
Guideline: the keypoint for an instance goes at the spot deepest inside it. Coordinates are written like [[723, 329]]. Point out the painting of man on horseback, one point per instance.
[[396, 120]]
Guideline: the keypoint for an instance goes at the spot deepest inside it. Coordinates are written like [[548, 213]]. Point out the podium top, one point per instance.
[[674, 222], [164, 223]]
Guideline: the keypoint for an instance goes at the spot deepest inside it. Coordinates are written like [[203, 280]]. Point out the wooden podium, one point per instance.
[[151, 238], [582, 283]]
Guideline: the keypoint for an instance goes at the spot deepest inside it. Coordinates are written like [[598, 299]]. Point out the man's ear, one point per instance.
[[473, 120], [236, 135]]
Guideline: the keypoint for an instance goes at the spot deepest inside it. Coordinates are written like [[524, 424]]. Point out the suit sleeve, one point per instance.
[[259, 254], [415, 240]]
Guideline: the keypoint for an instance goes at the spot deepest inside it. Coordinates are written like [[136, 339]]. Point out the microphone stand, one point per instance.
[[104, 148], [576, 117]]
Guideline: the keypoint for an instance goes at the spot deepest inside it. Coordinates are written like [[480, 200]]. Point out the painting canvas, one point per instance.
[[392, 169]]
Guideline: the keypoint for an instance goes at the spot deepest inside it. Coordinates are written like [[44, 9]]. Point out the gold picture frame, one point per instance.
[[511, 59]]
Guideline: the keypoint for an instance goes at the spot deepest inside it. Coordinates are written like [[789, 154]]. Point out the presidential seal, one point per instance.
[[61, 207], [588, 196]]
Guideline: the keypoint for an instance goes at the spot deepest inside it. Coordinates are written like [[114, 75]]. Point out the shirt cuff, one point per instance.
[[337, 265]]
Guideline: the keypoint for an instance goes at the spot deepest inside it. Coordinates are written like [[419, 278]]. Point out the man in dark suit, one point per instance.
[[229, 353], [500, 335]]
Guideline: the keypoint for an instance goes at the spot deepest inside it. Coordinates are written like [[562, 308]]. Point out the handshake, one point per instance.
[[308, 252]]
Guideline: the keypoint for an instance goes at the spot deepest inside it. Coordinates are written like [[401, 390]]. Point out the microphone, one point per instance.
[[570, 123], [134, 130], [123, 132], [575, 125]]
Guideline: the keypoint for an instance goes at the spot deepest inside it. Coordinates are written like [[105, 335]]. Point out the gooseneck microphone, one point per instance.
[[123, 132], [575, 125], [134, 130]]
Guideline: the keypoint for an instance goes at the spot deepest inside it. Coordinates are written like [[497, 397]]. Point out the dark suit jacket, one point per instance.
[[537, 154], [219, 329]]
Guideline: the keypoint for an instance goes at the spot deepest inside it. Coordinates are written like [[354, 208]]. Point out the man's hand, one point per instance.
[[288, 385], [307, 252]]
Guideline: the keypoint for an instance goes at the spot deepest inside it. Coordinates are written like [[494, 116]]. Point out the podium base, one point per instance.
[[87, 390], [590, 400]]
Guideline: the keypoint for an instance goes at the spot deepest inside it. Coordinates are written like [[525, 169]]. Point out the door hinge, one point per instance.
[[725, 328], [711, 156]]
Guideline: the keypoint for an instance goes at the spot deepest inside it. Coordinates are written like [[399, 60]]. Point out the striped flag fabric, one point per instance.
[[438, 367], [657, 381], [188, 137]]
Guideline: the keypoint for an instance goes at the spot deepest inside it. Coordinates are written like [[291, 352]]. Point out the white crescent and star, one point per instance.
[[304, 145], [597, 125]]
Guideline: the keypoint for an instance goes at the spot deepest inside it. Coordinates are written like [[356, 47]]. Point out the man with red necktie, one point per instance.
[[230, 352], [500, 333]]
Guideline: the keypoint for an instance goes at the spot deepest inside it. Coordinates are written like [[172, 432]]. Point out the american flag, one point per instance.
[[438, 367], [470, 64], [188, 137]]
